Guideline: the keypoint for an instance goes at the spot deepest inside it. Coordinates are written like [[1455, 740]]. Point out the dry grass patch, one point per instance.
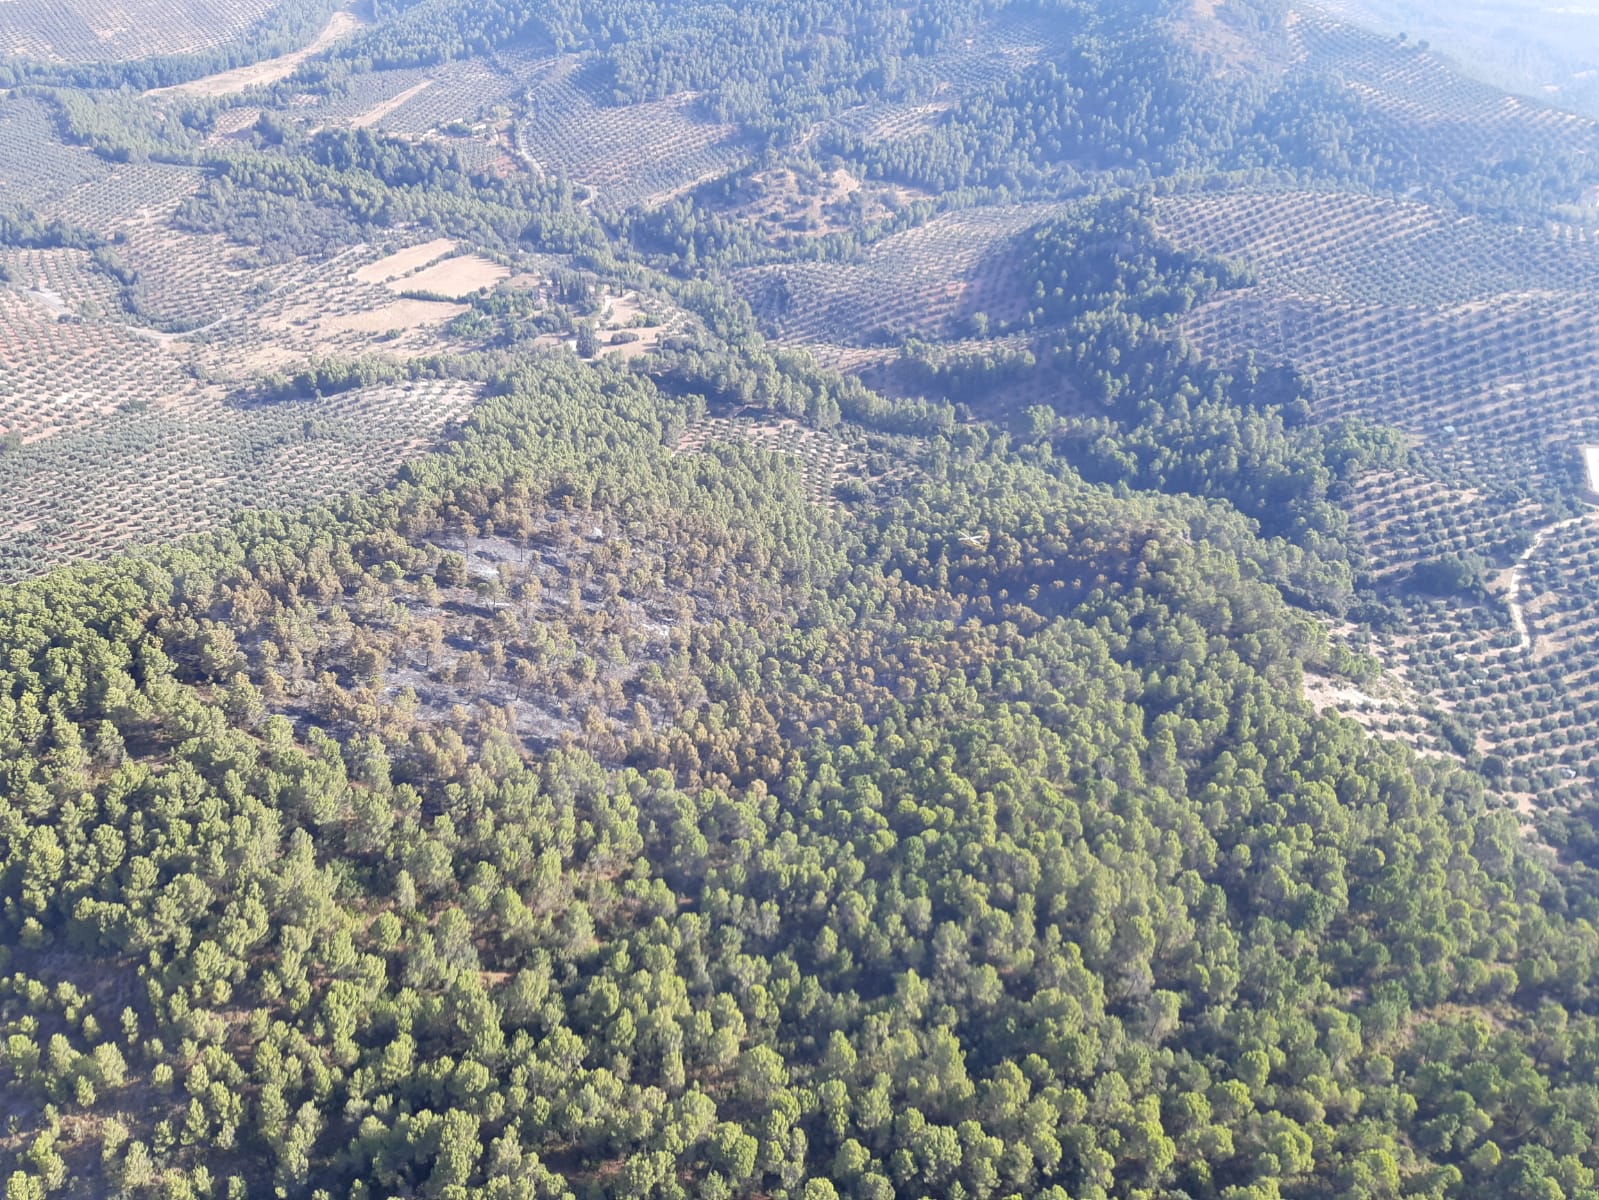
[[454, 277], [402, 262], [619, 317], [785, 203], [401, 314], [629, 325], [1384, 705]]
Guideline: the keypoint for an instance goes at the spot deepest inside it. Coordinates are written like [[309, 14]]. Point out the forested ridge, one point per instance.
[[897, 866], [608, 806]]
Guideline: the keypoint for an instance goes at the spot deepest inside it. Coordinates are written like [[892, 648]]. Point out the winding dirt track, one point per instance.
[[1518, 618]]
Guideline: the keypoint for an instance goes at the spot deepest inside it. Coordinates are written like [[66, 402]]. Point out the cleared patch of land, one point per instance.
[[454, 277], [623, 330], [1590, 463], [1383, 705], [375, 114], [402, 314], [226, 83]]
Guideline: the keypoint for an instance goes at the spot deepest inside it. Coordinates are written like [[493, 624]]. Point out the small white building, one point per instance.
[[1590, 461]]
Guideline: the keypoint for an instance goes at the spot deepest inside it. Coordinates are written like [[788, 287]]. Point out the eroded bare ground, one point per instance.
[[1383, 705], [225, 83]]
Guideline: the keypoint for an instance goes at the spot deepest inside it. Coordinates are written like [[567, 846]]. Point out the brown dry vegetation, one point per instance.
[[454, 277], [325, 330], [403, 262], [785, 203]]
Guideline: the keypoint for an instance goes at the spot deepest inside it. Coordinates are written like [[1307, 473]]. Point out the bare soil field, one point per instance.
[[1386, 704], [454, 277], [402, 314], [375, 114], [226, 83]]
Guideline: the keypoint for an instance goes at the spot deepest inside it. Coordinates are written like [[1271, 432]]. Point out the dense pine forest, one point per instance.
[[815, 601]]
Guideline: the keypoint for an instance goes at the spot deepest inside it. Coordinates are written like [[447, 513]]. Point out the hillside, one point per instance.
[[1543, 51], [987, 599]]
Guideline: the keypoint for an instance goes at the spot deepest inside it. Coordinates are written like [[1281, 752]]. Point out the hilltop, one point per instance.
[[986, 599]]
